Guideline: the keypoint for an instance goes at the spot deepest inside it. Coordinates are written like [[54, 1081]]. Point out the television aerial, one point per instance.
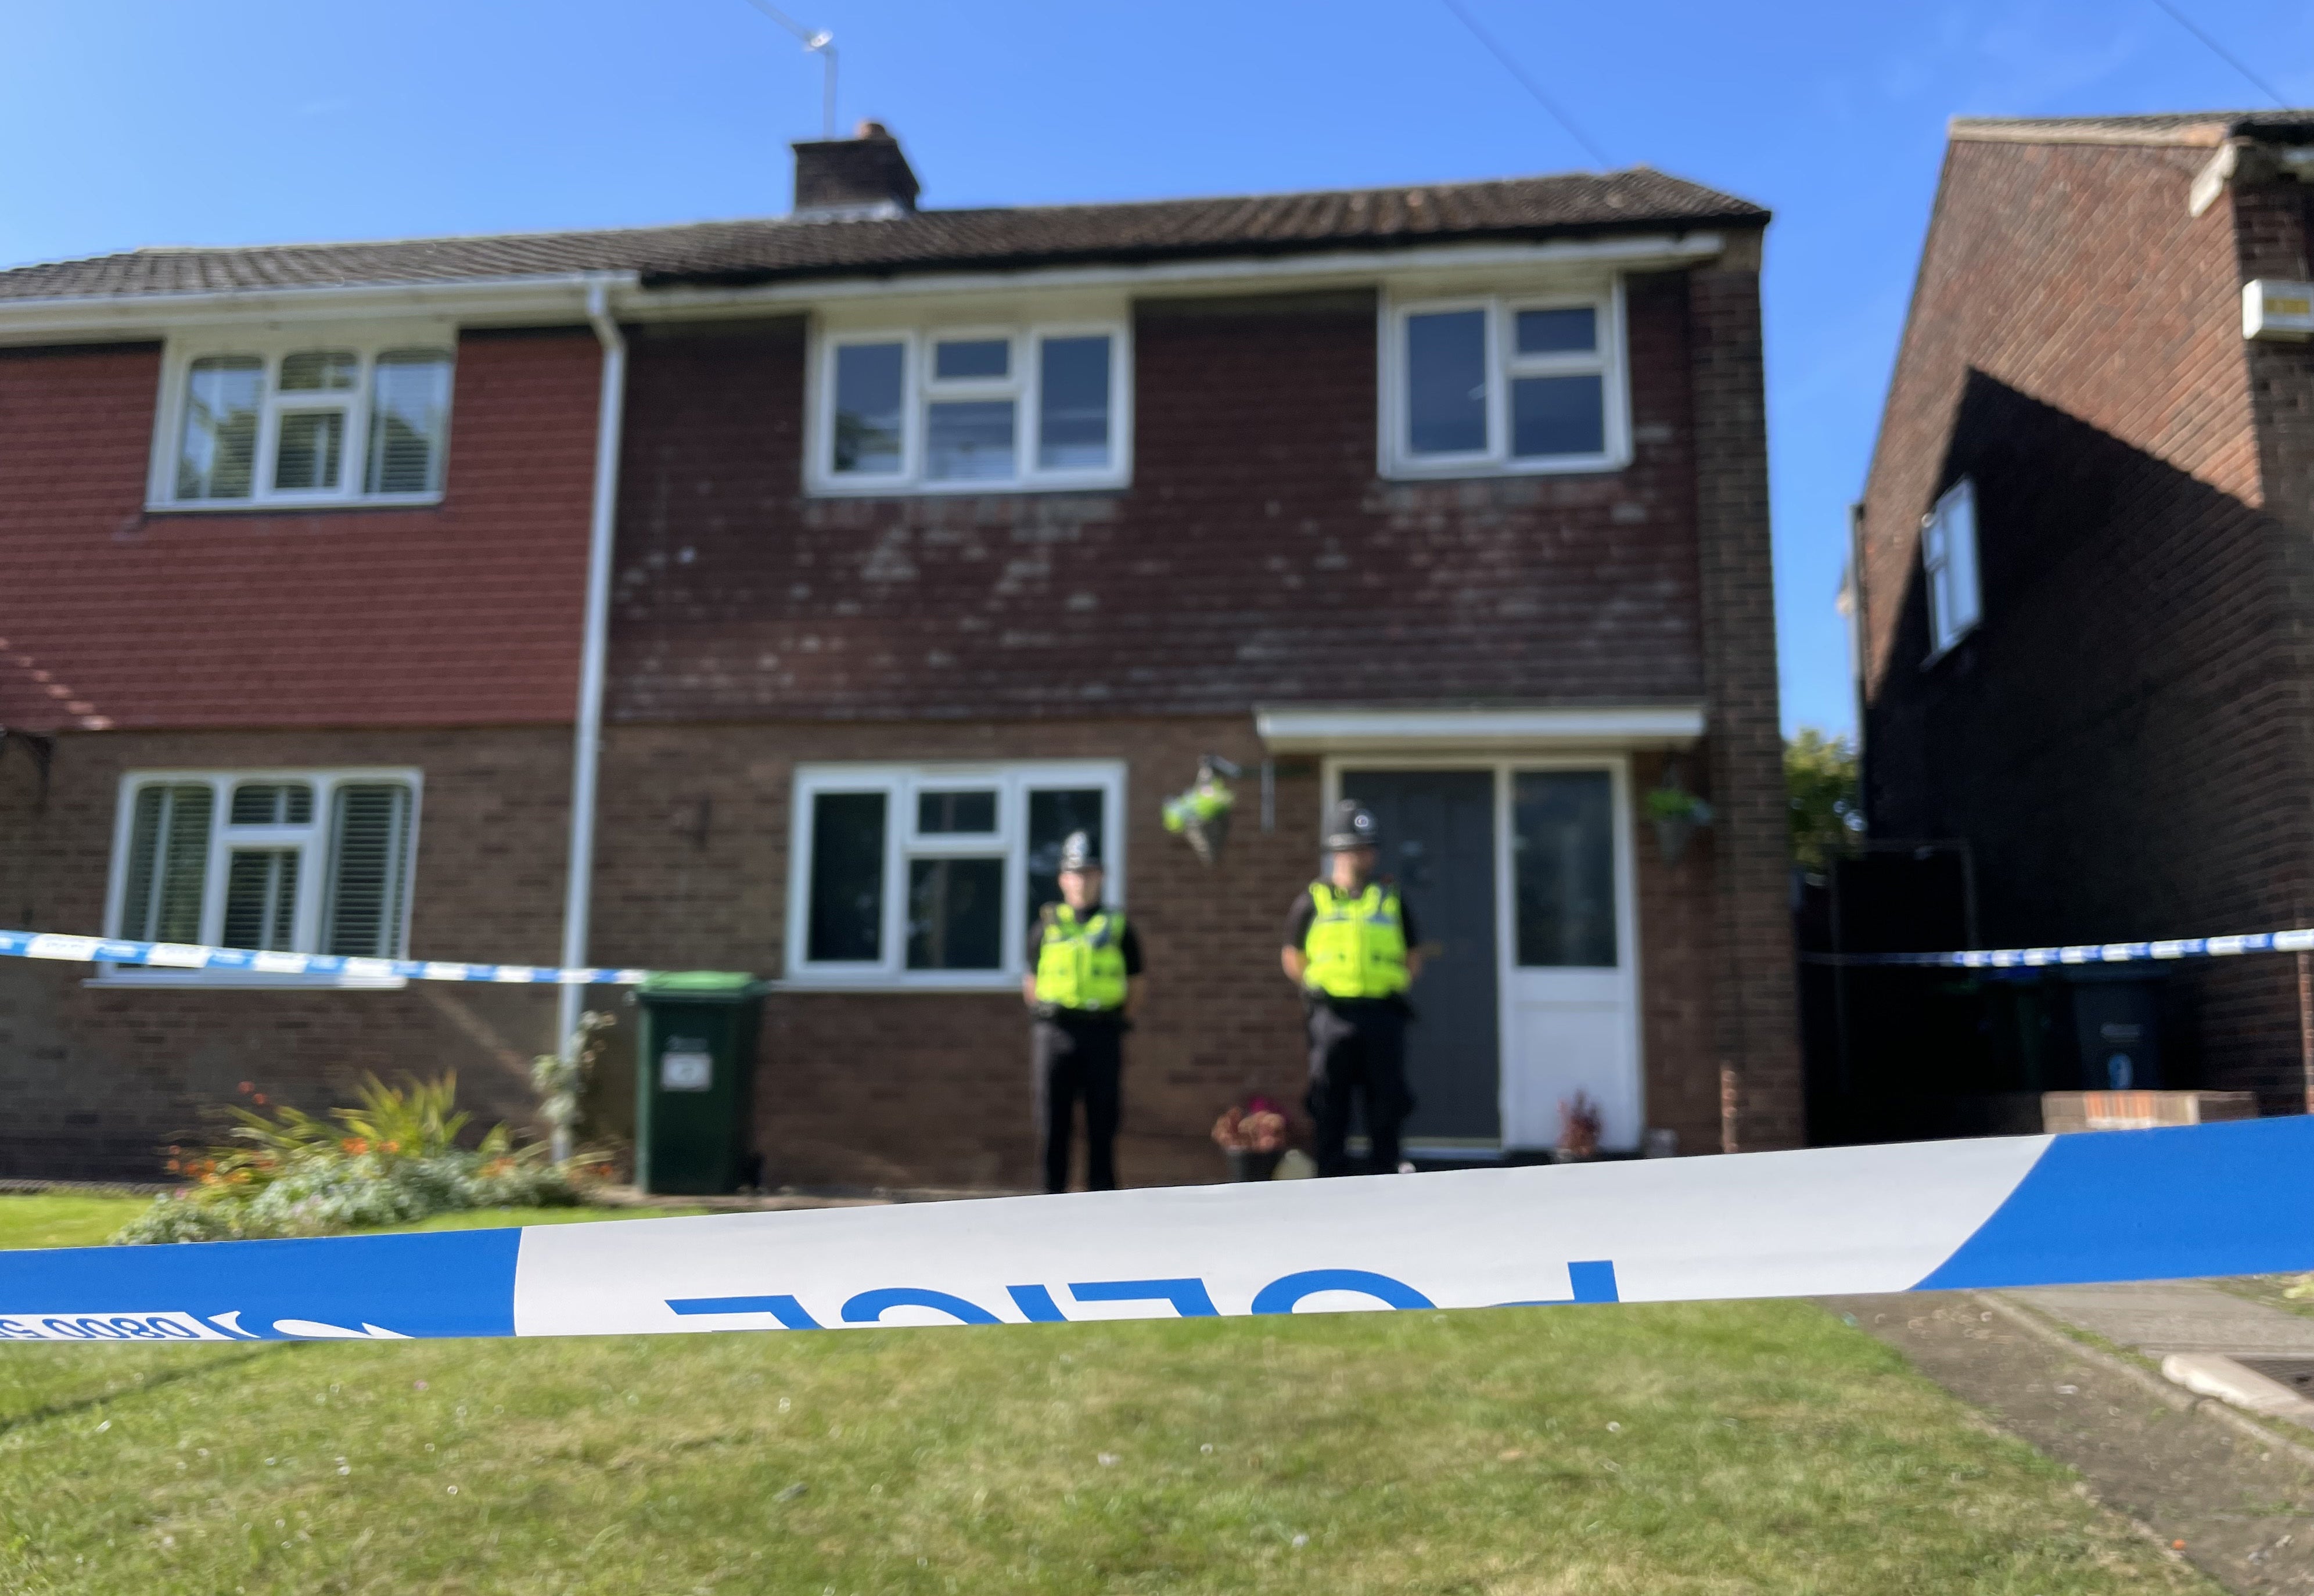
[[815, 41]]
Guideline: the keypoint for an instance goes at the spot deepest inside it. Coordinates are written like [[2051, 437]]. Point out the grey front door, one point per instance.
[[1438, 840]]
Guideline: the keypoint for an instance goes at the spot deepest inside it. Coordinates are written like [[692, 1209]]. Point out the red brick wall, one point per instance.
[[912, 1088], [868, 1089], [96, 1081], [1755, 1018], [1256, 558], [2124, 738], [463, 613]]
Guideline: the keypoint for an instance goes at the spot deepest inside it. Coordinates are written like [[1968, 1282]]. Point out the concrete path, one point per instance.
[[2223, 1496], [2159, 1318]]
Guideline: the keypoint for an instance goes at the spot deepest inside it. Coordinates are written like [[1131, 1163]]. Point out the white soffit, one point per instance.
[[1383, 730]]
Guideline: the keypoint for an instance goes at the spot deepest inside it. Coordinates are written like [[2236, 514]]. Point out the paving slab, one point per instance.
[[2159, 1318]]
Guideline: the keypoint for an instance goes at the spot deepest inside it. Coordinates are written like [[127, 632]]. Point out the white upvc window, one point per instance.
[[313, 419], [1948, 561], [929, 876], [1494, 384], [275, 861], [969, 409]]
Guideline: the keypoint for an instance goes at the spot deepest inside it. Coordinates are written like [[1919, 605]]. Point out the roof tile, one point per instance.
[[767, 250]]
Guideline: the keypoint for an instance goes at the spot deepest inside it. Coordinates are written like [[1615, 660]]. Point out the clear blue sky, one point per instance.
[[133, 122]]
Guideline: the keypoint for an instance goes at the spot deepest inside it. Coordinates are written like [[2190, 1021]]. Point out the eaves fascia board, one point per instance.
[[2204, 134], [502, 301], [1291, 730], [1630, 252]]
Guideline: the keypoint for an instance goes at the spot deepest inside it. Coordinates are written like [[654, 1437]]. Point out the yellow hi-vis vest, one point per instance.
[[1080, 963], [1356, 945]]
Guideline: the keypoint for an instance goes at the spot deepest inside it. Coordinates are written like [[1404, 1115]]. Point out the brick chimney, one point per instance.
[[864, 176]]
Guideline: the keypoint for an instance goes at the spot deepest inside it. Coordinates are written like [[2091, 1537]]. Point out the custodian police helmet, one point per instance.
[[1353, 826], [1078, 853]]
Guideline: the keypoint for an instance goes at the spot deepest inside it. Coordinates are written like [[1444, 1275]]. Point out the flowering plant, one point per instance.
[[1579, 1126], [1258, 1127], [394, 1158]]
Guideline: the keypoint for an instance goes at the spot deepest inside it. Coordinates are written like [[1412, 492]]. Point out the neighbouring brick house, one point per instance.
[[2083, 572], [938, 533]]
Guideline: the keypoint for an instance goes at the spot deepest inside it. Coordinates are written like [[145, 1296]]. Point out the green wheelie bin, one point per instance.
[[695, 1081]]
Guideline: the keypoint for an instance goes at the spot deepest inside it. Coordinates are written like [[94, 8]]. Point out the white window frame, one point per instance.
[[1611, 361], [1949, 569], [900, 785], [271, 345], [310, 840], [919, 388]]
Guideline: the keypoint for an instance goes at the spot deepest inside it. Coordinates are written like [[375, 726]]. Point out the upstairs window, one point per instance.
[[970, 410], [277, 863], [311, 423], [1504, 384], [932, 875], [1949, 562]]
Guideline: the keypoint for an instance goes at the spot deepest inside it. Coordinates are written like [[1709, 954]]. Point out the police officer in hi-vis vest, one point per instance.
[[1350, 945], [1086, 980]]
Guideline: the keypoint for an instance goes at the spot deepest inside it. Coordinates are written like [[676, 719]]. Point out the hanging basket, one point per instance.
[[1676, 814], [1206, 836], [1672, 837], [1201, 815]]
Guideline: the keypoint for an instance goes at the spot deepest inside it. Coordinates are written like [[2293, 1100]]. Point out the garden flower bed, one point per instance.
[[395, 1159]]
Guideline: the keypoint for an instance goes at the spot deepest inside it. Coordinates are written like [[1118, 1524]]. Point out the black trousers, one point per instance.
[[1358, 1049], [1077, 1059]]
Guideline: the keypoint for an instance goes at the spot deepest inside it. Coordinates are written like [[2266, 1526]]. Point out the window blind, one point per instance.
[[260, 899], [409, 406], [217, 456], [369, 842], [168, 864]]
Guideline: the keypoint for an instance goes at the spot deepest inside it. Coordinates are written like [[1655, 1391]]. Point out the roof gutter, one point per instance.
[[2251, 160], [671, 299], [577, 900], [513, 300]]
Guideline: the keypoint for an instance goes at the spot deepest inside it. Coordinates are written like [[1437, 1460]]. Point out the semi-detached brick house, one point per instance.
[[937, 534], [2086, 560]]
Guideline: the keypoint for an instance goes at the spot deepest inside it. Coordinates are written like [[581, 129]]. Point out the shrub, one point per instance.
[[393, 1159]]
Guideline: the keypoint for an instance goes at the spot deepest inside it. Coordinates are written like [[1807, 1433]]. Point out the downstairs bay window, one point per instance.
[[932, 876], [301, 861]]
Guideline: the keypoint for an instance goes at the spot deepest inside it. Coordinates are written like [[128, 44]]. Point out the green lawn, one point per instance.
[[65, 1219], [1719, 1449]]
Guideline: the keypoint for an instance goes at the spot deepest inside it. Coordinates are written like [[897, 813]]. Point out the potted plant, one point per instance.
[[1578, 1130], [1252, 1138]]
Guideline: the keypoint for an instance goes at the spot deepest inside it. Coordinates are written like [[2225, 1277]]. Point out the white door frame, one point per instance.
[[1504, 767]]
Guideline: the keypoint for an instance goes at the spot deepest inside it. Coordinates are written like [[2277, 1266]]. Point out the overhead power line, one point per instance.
[[1528, 83], [2219, 50]]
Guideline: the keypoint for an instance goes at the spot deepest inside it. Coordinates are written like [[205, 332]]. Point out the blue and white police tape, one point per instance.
[[186, 956], [2202, 1200], [2085, 953]]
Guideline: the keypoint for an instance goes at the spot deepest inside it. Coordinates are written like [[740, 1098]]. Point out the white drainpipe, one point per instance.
[[577, 896]]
